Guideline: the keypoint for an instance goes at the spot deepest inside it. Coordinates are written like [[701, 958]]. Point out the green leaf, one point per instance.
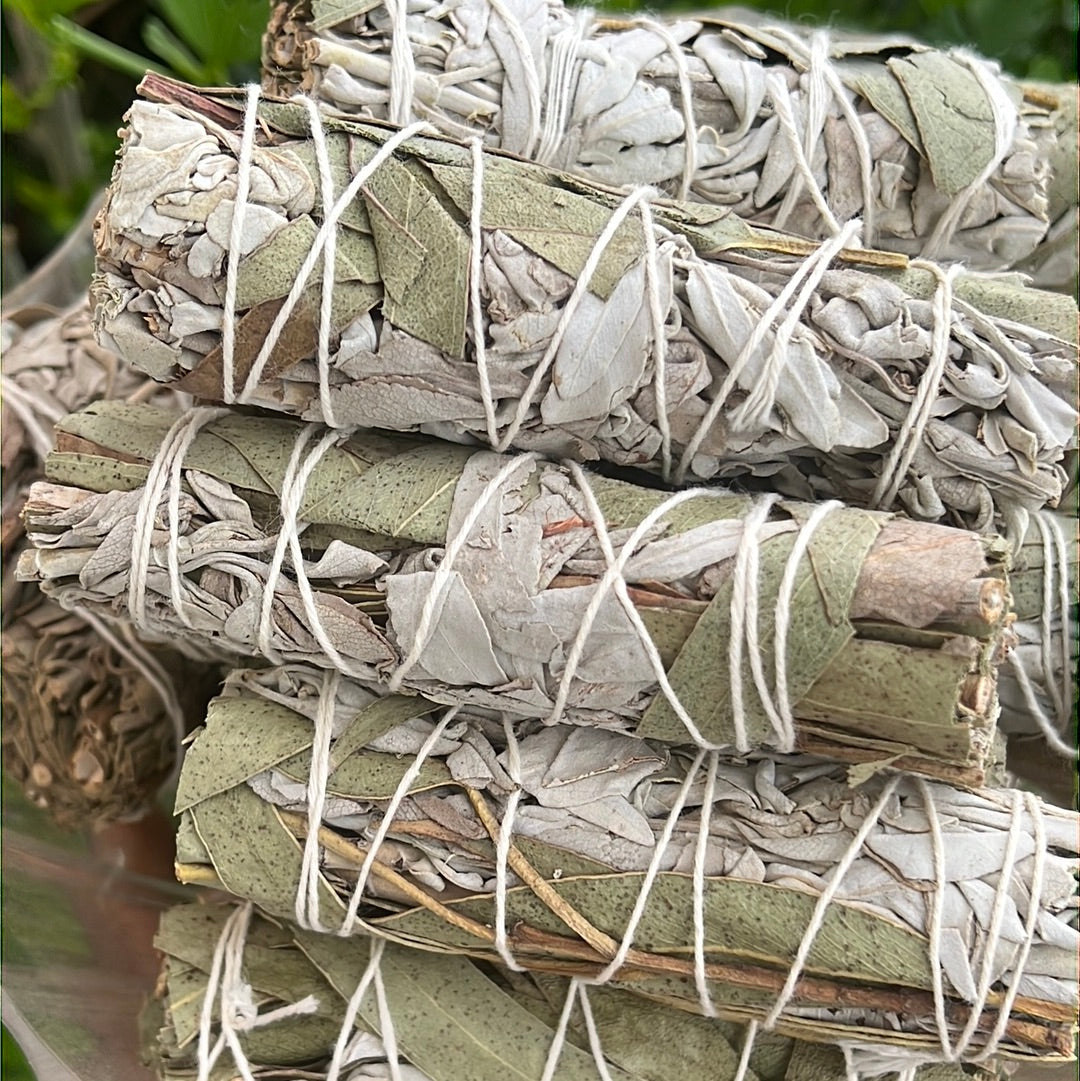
[[449, 1019], [818, 629]]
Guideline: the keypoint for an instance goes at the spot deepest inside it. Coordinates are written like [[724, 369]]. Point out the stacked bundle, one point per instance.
[[93, 715], [544, 745], [783, 123]]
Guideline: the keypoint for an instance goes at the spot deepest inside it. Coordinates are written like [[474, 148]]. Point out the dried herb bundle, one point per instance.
[[528, 587], [451, 1018], [89, 721], [596, 819], [870, 386], [791, 126]]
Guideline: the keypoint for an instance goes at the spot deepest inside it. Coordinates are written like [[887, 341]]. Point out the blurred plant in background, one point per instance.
[[70, 69]]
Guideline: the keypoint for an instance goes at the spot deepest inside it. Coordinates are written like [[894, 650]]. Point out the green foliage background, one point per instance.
[[70, 69]]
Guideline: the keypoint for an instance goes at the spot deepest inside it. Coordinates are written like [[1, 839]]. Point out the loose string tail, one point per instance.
[[237, 1012]]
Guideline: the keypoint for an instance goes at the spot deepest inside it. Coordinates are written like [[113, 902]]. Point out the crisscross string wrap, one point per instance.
[[236, 1006], [908, 439], [785, 305], [164, 476], [1020, 823], [821, 81], [323, 247]]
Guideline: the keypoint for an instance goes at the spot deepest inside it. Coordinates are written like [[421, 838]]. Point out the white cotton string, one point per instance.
[[1005, 124], [352, 1008], [593, 1033], [561, 85], [1065, 598], [908, 439], [754, 410], [747, 1049], [236, 240], [651, 874], [822, 67], [804, 173], [386, 1024], [264, 636], [658, 318], [533, 89], [306, 906], [441, 579], [686, 100], [294, 484], [402, 64], [701, 850], [762, 327], [502, 846], [815, 99], [330, 221], [569, 309], [326, 295], [400, 793], [993, 931], [613, 579], [1045, 724], [558, 1040], [30, 409], [476, 253], [782, 618], [744, 629], [1054, 558], [1038, 871], [165, 468], [933, 923], [823, 902]]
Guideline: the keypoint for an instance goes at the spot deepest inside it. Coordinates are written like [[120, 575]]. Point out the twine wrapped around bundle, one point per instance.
[[480, 298], [424, 1017], [791, 126], [532, 588], [900, 917], [92, 716]]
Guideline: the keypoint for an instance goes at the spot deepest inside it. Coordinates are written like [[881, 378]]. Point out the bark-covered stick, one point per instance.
[[448, 1018]]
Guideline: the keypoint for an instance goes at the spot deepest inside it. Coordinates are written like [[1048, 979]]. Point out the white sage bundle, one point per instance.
[[480, 298], [92, 716], [532, 588], [789, 125], [899, 917], [424, 1017]]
